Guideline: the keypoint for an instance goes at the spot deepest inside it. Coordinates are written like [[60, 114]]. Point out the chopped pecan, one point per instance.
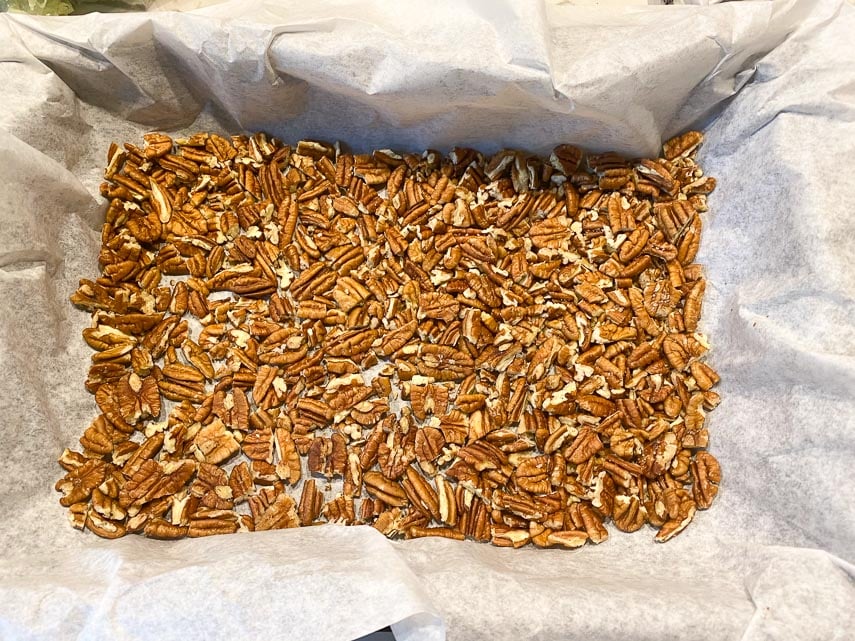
[[164, 530], [680, 510], [706, 473], [214, 443], [429, 444], [104, 527], [311, 502], [212, 522], [628, 513], [385, 489], [584, 446], [79, 483], [274, 514], [498, 348]]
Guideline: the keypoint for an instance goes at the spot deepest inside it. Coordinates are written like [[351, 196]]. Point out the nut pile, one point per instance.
[[504, 349]]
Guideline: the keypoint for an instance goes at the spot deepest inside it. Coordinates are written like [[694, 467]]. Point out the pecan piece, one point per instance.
[[438, 306], [311, 502], [681, 509], [706, 473], [384, 489], [277, 514], [584, 446], [104, 527], [539, 319], [214, 443], [164, 530], [80, 482], [429, 444], [212, 522], [628, 514]]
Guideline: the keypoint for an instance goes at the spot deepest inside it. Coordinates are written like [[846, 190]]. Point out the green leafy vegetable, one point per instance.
[[42, 7]]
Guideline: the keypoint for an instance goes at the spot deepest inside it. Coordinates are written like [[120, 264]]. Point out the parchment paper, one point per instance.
[[773, 84]]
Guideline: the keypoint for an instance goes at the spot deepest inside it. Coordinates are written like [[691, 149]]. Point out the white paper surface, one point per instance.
[[774, 85]]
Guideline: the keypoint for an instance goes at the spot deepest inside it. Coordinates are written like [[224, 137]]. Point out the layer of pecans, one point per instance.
[[503, 349]]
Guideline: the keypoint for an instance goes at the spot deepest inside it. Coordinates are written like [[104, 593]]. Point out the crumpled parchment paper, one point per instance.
[[773, 84]]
